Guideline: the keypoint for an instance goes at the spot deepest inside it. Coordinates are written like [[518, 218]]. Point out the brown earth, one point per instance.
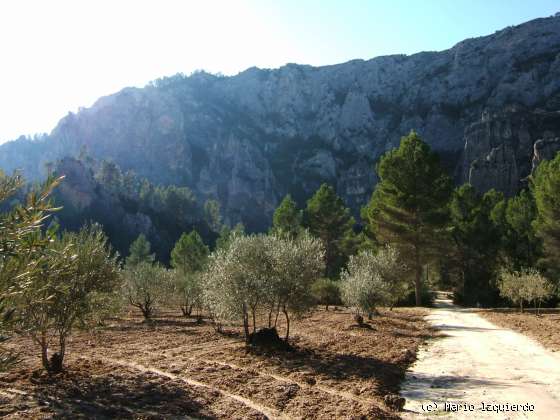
[[544, 328], [176, 368]]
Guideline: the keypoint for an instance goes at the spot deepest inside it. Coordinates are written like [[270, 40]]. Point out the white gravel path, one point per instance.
[[477, 362]]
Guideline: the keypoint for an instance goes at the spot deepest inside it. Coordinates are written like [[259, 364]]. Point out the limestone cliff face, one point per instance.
[[503, 148], [249, 139], [545, 149]]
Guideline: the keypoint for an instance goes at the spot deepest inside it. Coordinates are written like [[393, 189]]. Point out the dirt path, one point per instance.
[[476, 362]]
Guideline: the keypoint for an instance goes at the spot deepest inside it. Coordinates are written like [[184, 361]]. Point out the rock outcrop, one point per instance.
[[503, 148], [248, 139]]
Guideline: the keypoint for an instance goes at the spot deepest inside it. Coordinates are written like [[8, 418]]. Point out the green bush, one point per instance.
[[426, 297], [326, 292]]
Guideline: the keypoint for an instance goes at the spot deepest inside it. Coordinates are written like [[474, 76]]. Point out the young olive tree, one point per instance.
[[188, 258], [146, 286], [187, 291], [262, 274], [510, 284], [80, 272], [22, 250], [524, 285], [371, 280], [238, 279], [393, 271], [537, 288], [297, 264]]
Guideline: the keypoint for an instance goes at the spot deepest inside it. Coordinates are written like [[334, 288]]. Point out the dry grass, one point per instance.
[[544, 328], [176, 368]]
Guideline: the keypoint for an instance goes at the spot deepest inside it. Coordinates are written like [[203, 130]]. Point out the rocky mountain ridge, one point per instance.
[[249, 139]]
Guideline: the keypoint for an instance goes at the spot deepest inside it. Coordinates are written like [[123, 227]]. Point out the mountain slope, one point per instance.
[[249, 139]]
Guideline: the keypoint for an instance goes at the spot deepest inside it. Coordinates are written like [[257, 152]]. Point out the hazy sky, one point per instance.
[[59, 55]]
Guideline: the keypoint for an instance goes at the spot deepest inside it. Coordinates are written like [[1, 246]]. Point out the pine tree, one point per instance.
[[286, 220], [227, 235], [546, 189], [329, 220], [140, 251], [523, 244], [476, 241], [408, 206], [190, 253], [110, 175], [212, 215]]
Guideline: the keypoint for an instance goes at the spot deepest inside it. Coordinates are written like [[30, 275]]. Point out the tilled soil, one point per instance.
[[175, 368], [544, 328]]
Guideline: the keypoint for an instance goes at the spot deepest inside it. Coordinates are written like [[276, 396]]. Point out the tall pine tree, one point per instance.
[[328, 219], [476, 242], [522, 243], [409, 205], [546, 189]]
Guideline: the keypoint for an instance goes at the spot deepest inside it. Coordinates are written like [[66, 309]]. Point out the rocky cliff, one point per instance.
[[504, 147], [249, 139]]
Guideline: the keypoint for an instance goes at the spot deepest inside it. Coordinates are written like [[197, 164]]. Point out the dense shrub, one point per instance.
[[326, 292], [409, 299]]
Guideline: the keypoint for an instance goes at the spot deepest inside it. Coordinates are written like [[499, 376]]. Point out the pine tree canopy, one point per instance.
[[409, 205], [190, 253]]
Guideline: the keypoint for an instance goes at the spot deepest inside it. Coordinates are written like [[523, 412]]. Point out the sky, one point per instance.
[[59, 55]]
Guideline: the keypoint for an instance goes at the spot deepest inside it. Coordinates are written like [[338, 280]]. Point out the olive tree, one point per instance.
[[238, 280], [81, 271], [372, 279], [537, 288], [188, 258], [146, 286], [296, 264], [393, 271], [510, 285], [187, 291], [260, 274], [524, 285], [22, 250]]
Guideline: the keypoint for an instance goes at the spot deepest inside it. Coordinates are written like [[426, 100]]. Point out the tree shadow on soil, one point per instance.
[[334, 366], [444, 327], [423, 337], [153, 323], [396, 316], [190, 322], [434, 387], [115, 395]]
